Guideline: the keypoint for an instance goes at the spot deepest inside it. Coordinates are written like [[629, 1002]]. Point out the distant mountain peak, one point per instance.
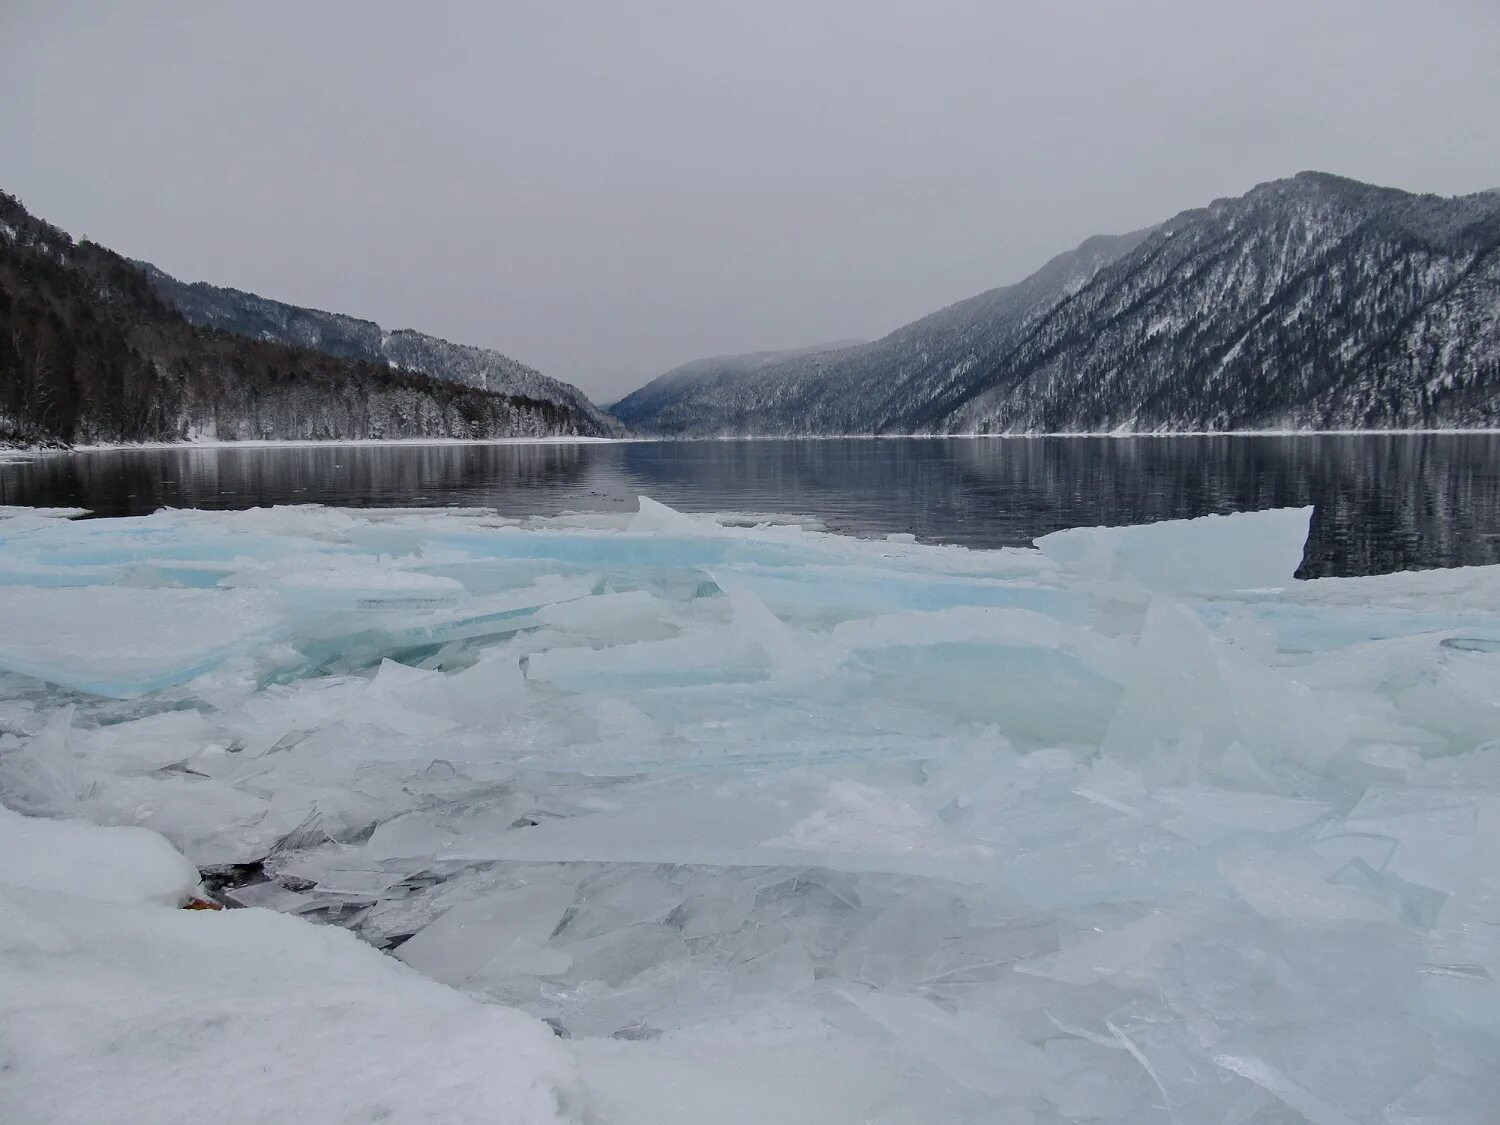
[[1313, 301], [351, 337]]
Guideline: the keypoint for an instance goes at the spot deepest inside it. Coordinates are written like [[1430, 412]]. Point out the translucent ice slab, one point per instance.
[[1249, 550], [126, 642]]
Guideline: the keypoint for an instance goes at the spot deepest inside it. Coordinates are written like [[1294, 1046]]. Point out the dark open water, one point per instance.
[[1382, 502]]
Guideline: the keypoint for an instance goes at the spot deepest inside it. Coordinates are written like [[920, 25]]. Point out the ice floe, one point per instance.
[[772, 824]]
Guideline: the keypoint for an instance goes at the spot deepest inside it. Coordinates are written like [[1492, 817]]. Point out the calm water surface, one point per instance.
[[1382, 503]]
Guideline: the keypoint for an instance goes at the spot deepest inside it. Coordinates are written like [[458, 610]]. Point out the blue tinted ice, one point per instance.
[[1136, 827]]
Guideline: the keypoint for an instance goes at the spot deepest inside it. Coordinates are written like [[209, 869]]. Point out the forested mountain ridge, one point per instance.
[[1314, 302], [89, 352], [866, 388], [700, 377], [262, 318]]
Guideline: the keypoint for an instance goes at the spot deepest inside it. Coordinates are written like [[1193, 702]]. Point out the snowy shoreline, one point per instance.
[[1112, 434], [298, 443], [302, 443]]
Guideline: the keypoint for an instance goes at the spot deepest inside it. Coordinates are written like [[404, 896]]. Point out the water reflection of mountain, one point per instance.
[[128, 482], [1383, 503]]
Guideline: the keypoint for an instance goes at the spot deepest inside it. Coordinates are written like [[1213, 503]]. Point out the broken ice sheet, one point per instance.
[[728, 825], [1095, 833], [823, 595], [1333, 1079], [1206, 814], [270, 895], [124, 642], [1109, 954], [367, 637], [1435, 832], [978, 1053], [506, 928], [342, 871], [324, 584], [860, 818], [702, 657], [1282, 887]]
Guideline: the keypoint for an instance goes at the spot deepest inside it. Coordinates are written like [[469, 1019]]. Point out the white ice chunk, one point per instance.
[[655, 517], [1112, 953], [151, 742], [1282, 887], [343, 871], [970, 1050], [43, 776], [1206, 814], [503, 932], [1211, 554], [635, 615], [699, 657], [755, 624], [491, 691], [722, 826], [860, 818], [271, 896], [1434, 832], [1191, 694]]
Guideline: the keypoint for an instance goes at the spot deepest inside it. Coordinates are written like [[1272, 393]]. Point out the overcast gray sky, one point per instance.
[[605, 189]]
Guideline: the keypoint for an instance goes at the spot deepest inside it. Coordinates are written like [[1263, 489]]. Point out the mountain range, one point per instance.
[[260, 318], [1314, 302], [95, 349]]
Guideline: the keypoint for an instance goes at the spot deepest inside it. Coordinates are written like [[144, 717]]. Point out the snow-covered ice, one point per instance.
[[117, 1006], [768, 824]]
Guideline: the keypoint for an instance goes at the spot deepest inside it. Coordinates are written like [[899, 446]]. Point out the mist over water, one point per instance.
[[1383, 503]]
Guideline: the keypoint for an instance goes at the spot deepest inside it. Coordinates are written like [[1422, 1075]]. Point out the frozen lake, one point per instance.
[[714, 820], [1382, 503]]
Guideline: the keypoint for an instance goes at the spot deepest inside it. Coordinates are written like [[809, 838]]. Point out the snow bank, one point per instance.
[[773, 825], [128, 865], [116, 1006]]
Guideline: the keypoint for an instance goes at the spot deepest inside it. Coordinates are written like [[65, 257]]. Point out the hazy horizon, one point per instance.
[[606, 193]]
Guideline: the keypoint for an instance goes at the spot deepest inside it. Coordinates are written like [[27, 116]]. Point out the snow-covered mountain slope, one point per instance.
[[248, 314], [1311, 302], [716, 374], [90, 352], [865, 387]]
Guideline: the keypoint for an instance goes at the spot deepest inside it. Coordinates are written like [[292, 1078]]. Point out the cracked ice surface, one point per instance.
[[777, 825]]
